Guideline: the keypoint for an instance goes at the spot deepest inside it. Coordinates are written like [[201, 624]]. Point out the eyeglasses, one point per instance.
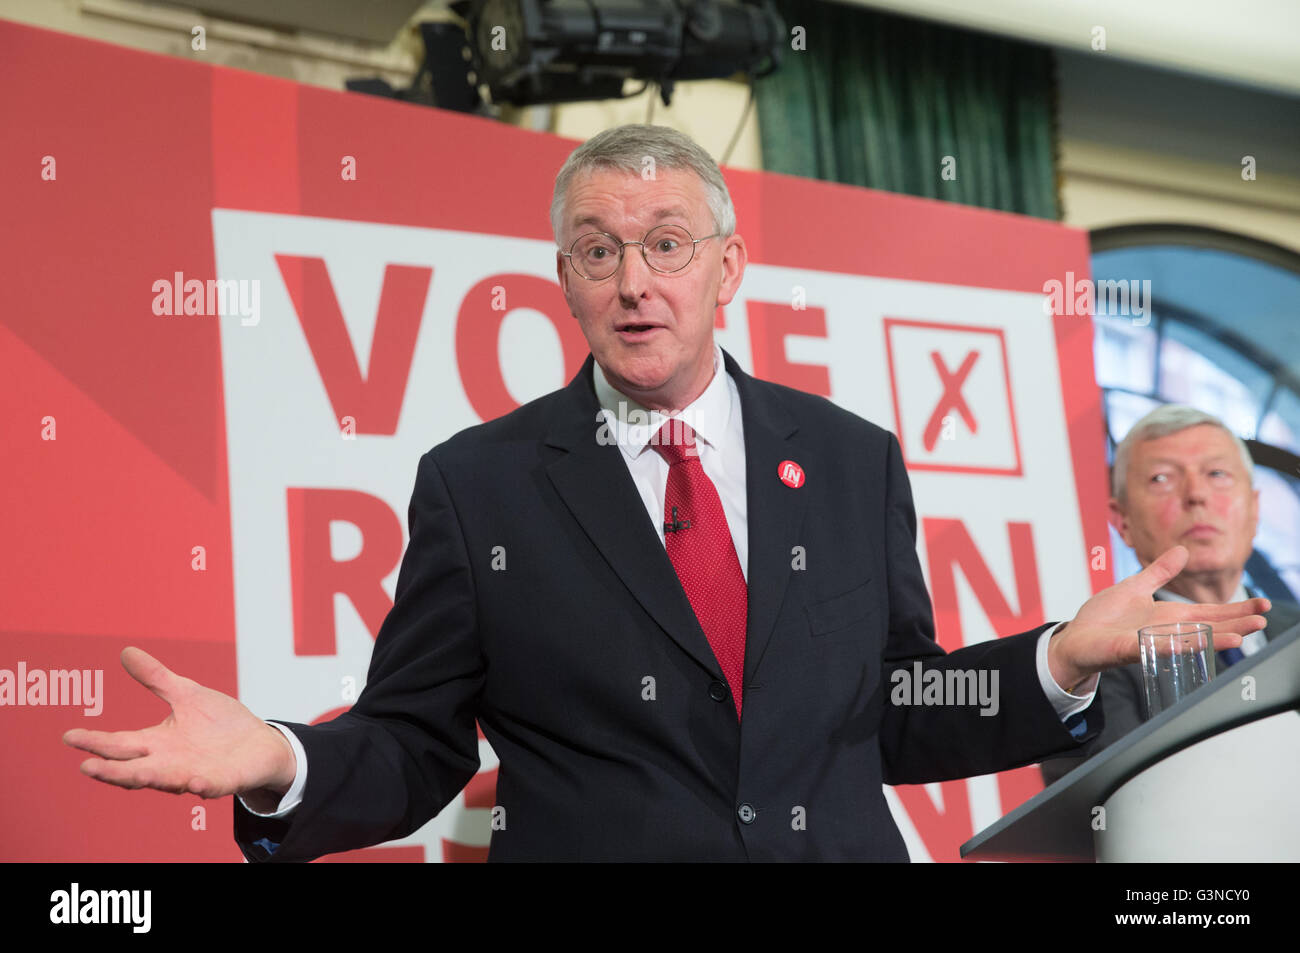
[[665, 248]]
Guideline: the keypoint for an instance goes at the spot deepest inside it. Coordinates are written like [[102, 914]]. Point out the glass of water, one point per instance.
[[1177, 658]]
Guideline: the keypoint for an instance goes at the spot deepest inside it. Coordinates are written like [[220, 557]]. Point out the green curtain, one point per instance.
[[880, 101]]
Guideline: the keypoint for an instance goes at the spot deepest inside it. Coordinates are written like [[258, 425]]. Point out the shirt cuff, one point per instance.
[[292, 797], [1065, 704]]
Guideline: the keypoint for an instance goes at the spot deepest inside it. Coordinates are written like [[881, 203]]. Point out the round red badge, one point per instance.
[[791, 473]]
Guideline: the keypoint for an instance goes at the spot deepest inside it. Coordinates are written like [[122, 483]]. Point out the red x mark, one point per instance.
[[952, 398]]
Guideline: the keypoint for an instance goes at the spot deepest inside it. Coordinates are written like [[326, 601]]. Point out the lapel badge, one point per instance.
[[791, 474]]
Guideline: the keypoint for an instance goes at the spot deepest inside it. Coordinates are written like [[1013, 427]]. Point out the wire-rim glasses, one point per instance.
[[665, 248]]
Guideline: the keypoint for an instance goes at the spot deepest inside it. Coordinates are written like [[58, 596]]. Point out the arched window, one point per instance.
[[1221, 332]]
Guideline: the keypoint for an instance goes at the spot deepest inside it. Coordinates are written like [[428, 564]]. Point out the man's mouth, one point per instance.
[[638, 330]]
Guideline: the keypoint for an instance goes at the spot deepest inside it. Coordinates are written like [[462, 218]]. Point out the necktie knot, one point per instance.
[[675, 441]]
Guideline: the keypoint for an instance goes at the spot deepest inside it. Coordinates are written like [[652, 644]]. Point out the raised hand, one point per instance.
[[210, 744], [1104, 632]]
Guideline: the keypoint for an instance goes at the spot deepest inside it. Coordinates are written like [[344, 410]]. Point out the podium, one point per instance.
[[1214, 778]]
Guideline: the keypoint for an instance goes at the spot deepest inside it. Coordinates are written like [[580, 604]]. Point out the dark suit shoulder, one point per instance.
[[526, 422], [531, 421], [818, 412]]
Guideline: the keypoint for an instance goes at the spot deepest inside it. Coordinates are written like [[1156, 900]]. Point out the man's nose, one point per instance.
[[1196, 489], [633, 273]]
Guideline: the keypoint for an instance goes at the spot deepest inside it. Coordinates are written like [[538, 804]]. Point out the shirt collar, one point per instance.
[[634, 425]]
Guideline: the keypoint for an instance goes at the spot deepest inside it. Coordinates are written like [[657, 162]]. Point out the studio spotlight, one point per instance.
[[554, 51]]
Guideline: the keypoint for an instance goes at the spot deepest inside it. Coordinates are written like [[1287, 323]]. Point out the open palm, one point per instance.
[[210, 744], [1104, 632]]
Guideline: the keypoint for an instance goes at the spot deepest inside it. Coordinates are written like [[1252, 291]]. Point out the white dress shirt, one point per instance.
[[716, 418], [720, 438]]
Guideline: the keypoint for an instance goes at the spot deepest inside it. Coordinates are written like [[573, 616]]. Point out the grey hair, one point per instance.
[[1165, 420], [626, 149]]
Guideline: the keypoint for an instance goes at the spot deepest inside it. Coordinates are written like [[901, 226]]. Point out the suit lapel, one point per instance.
[[593, 481], [775, 512], [1279, 619]]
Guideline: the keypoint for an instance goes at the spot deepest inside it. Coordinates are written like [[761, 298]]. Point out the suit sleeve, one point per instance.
[[1120, 690], [939, 742], [410, 743]]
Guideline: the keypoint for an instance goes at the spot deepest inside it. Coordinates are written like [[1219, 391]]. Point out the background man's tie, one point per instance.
[[1230, 657], [701, 549]]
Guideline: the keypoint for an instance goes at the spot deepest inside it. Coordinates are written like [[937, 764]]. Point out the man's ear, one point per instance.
[[734, 258], [562, 274], [1118, 520]]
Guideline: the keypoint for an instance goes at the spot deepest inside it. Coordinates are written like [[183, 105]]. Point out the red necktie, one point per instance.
[[701, 549]]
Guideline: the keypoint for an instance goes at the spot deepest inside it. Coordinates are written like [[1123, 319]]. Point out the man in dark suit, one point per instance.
[[1181, 477], [680, 602]]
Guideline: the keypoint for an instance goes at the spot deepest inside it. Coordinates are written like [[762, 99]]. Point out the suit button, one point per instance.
[[718, 691], [746, 813]]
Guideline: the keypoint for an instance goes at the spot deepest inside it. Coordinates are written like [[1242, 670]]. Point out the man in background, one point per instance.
[[1181, 477]]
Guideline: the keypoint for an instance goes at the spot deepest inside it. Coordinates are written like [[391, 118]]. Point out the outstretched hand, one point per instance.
[[1104, 632], [210, 744]]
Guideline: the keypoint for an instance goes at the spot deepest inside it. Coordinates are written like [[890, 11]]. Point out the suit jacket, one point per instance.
[[579, 655], [1124, 697]]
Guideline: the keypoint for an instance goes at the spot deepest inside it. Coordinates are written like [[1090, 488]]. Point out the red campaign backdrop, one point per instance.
[[113, 166]]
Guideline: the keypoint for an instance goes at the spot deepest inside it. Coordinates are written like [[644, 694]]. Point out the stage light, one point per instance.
[[553, 51]]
